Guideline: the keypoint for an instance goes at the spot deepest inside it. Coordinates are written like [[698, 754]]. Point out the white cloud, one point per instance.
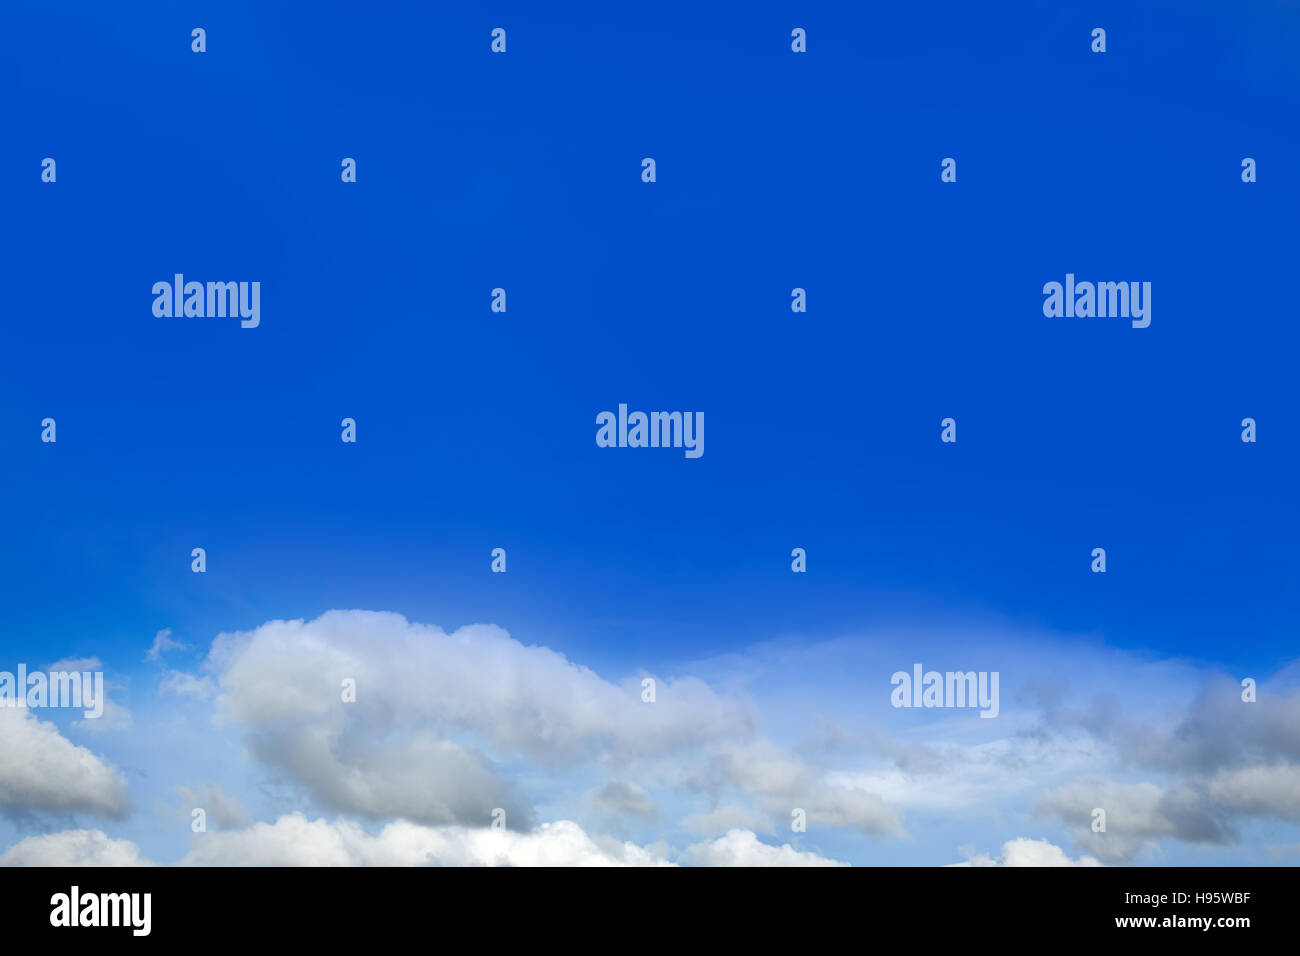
[[417, 776], [1027, 852], [763, 767], [1263, 790], [294, 840], [183, 684], [829, 805], [623, 799], [42, 770], [521, 699], [963, 776], [785, 781], [1137, 815], [73, 848], [390, 753], [116, 717], [742, 848], [162, 643]]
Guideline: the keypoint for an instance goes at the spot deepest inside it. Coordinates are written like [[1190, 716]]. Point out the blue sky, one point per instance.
[[775, 170]]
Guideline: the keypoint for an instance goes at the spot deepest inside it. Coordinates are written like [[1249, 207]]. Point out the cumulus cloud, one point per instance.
[[623, 799], [1272, 790], [835, 806], [295, 840], [356, 769], [447, 727], [785, 782], [73, 848], [1027, 852], [1137, 815], [743, 848], [1198, 762], [41, 770], [434, 714], [525, 700], [1218, 761], [1220, 730]]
